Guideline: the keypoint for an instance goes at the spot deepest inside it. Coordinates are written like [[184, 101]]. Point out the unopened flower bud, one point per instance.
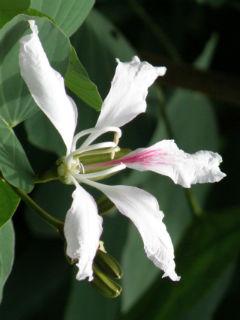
[[104, 284], [108, 264]]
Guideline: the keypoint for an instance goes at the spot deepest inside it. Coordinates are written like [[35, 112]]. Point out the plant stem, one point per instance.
[[53, 222], [48, 176], [192, 200]]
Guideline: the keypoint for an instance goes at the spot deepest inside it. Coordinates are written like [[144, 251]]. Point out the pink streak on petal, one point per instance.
[[144, 157]]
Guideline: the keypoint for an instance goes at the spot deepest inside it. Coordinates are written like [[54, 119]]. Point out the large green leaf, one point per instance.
[[8, 202], [77, 81], [68, 15], [14, 164], [10, 8], [7, 241], [205, 253]]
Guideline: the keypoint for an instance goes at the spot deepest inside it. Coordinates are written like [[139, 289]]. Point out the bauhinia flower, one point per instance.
[[125, 100]]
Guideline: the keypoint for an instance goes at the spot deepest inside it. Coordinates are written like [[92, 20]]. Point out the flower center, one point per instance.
[[72, 165]]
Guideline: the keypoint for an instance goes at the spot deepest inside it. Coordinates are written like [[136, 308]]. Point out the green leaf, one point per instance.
[[7, 242], [49, 139], [8, 202], [208, 248], [14, 164], [78, 82], [68, 15], [10, 8]]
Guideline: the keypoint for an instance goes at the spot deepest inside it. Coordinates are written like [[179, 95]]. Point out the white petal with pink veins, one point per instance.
[[129, 89], [183, 168]]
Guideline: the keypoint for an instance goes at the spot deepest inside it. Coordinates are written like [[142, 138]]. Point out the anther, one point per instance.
[[115, 140]]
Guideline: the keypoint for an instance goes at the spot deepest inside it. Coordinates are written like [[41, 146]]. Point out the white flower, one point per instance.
[[125, 100]]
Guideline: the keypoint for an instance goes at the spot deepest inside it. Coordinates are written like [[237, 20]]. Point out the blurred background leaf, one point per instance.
[[7, 242], [216, 245], [14, 164], [8, 202], [10, 8], [78, 82], [68, 15]]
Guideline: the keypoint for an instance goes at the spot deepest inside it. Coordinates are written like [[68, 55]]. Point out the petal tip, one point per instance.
[[173, 276], [33, 26], [161, 71], [135, 59]]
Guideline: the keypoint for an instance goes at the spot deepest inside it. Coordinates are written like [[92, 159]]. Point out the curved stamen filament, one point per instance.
[[99, 132], [82, 167], [100, 152], [101, 173], [116, 140], [80, 135], [101, 145]]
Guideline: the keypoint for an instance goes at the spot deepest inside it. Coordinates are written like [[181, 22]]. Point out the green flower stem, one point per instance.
[[48, 176], [53, 222], [156, 30], [192, 200]]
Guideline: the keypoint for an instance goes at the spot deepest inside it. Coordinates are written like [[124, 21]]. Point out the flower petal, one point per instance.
[[126, 98], [143, 210], [46, 86], [82, 230], [185, 169]]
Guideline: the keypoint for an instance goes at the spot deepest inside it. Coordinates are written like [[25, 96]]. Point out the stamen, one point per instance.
[[82, 167], [100, 132], [97, 152], [101, 145], [100, 174], [116, 140], [80, 135]]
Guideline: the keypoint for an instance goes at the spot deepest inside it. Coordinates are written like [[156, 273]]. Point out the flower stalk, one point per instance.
[[48, 218]]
